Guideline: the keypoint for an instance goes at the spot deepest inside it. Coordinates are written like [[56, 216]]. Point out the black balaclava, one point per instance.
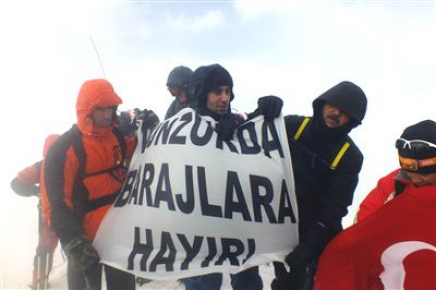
[[426, 131], [206, 79], [347, 97]]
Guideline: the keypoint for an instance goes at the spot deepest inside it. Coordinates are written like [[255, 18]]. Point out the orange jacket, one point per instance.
[[71, 196]]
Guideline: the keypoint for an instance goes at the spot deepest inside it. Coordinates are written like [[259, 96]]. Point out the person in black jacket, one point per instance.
[[212, 90], [178, 84], [326, 164]]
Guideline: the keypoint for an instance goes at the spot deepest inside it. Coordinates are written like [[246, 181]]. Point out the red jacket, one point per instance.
[[68, 200], [27, 181], [394, 248], [381, 194]]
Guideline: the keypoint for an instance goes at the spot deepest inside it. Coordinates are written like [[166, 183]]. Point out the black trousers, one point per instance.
[[90, 279]]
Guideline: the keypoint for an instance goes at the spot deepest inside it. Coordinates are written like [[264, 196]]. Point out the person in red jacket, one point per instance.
[[395, 246], [398, 180], [26, 183], [83, 173]]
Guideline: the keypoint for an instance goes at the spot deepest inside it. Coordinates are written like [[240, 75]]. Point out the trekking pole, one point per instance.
[[42, 257], [98, 57]]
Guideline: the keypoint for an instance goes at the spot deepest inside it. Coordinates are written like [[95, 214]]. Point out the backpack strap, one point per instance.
[[121, 141], [101, 201], [338, 156], [80, 153], [399, 187], [79, 150]]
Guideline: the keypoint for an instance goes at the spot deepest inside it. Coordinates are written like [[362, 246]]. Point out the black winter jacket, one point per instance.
[[323, 194], [176, 106]]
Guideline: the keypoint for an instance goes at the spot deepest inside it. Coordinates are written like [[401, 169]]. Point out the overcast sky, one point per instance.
[[292, 49]]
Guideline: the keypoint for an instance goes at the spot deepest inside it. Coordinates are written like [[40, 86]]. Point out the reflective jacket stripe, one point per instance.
[[301, 128], [339, 156]]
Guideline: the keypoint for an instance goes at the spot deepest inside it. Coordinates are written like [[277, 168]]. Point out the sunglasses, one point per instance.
[[414, 145]]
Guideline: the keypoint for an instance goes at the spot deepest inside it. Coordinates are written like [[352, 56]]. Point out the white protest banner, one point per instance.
[[194, 204]]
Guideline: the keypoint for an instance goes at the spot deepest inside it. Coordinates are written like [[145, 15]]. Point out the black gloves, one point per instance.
[[270, 107], [302, 266], [127, 124], [283, 280], [301, 279], [23, 188], [81, 254], [149, 120], [227, 125], [300, 257]]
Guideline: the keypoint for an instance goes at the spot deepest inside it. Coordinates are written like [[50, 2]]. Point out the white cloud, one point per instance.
[[210, 19], [257, 8]]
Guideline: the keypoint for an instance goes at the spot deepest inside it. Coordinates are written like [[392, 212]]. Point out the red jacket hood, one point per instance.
[[94, 93]]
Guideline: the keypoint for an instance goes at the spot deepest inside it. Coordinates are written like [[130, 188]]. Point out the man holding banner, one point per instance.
[[206, 194], [326, 165], [212, 89], [83, 173]]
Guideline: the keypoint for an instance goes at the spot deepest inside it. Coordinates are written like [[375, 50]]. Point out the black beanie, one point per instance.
[[180, 77], [426, 131]]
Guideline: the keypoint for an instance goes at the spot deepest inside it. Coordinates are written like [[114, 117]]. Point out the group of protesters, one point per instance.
[[84, 170]]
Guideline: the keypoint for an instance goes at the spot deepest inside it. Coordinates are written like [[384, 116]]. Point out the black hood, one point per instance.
[[347, 97], [204, 80]]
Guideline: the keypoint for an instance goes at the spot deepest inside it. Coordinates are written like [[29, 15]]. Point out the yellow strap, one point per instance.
[[302, 126], [339, 156]]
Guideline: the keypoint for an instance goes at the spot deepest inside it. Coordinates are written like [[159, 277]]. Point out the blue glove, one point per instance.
[[270, 107], [227, 125]]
